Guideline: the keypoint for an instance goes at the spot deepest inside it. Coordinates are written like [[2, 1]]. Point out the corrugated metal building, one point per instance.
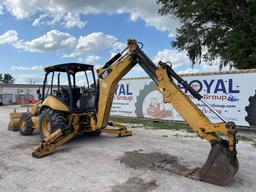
[[16, 93]]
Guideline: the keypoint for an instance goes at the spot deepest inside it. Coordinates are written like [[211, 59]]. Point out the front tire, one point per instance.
[[50, 121], [26, 124]]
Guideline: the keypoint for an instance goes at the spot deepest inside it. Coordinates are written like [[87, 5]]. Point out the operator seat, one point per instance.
[[76, 93]]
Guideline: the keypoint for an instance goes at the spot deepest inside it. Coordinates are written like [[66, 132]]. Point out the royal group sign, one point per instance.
[[232, 94]]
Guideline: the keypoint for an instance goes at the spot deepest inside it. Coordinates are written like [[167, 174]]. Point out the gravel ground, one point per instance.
[[112, 164]]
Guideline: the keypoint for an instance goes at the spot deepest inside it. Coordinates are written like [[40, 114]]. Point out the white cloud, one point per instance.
[[117, 47], [92, 59], [51, 41], [22, 9], [188, 70], [39, 20], [16, 8], [210, 67], [95, 42], [72, 55], [37, 67], [27, 78], [141, 9], [55, 40], [214, 67], [68, 20], [9, 37], [1, 10], [97, 66], [176, 58], [137, 69], [72, 20]]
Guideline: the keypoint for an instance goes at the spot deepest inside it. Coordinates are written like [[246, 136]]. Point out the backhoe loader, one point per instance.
[[66, 110]]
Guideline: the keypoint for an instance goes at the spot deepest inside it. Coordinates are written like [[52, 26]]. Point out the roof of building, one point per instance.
[[134, 78], [204, 74], [23, 85]]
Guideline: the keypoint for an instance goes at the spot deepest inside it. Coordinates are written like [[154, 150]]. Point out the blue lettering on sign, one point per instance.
[[123, 89], [208, 85], [217, 86], [220, 86], [230, 86]]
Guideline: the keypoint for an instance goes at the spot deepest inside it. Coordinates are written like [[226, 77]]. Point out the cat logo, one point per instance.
[[105, 74]]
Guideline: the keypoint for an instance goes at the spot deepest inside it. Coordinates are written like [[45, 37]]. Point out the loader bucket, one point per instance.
[[14, 121], [219, 168]]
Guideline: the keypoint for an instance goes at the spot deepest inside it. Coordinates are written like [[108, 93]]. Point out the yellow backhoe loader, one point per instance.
[[66, 110]]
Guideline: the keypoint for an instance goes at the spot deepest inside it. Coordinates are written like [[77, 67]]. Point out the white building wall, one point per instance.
[[19, 90]]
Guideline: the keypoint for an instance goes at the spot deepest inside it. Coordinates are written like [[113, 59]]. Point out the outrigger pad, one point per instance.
[[219, 168]]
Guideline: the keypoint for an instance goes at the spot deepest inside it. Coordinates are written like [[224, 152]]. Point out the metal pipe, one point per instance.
[[213, 110], [52, 81], [58, 81]]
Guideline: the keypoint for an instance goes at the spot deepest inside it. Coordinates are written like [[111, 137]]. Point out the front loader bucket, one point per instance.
[[14, 121], [219, 167]]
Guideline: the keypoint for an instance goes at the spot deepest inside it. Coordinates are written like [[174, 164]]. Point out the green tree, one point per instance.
[[8, 79], [215, 29], [1, 77]]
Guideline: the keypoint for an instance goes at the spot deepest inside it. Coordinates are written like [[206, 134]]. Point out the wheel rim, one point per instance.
[[23, 124], [46, 127]]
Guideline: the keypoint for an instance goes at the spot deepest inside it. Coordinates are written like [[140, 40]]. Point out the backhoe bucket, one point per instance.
[[219, 167], [14, 121]]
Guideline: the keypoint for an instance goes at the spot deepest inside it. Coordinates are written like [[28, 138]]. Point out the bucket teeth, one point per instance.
[[219, 168]]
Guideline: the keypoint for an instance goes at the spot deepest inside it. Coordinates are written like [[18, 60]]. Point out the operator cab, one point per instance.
[[73, 84]]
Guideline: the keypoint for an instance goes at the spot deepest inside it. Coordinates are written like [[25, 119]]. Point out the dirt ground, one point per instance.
[[150, 160]]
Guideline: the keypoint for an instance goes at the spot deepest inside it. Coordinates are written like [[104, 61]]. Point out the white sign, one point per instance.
[[232, 95]]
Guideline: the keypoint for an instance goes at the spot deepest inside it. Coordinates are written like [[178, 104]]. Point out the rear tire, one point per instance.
[[50, 121], [26, 124]]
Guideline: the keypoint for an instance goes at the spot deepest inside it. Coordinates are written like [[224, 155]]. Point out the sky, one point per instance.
[[39, 33]]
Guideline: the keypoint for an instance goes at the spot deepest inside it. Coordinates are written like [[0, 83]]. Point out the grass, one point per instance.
[[244, 138], [247, 139], [150, 124]]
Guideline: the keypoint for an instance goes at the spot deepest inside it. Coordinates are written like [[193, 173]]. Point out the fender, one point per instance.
[[55, 104]]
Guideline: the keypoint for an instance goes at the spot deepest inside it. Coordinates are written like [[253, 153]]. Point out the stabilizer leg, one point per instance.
[[50, 143], [117, 129]]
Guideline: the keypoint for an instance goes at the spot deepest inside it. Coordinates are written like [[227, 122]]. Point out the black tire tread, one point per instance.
[[57, 119], [29, 124]]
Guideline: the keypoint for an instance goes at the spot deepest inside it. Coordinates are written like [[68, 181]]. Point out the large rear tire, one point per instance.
[[50, 121], [26, 124]]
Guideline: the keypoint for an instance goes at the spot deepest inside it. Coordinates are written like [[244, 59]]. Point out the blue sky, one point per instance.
[[35, 34]]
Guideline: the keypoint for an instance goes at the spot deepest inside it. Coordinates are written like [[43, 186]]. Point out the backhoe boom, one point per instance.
[[222, 163]]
